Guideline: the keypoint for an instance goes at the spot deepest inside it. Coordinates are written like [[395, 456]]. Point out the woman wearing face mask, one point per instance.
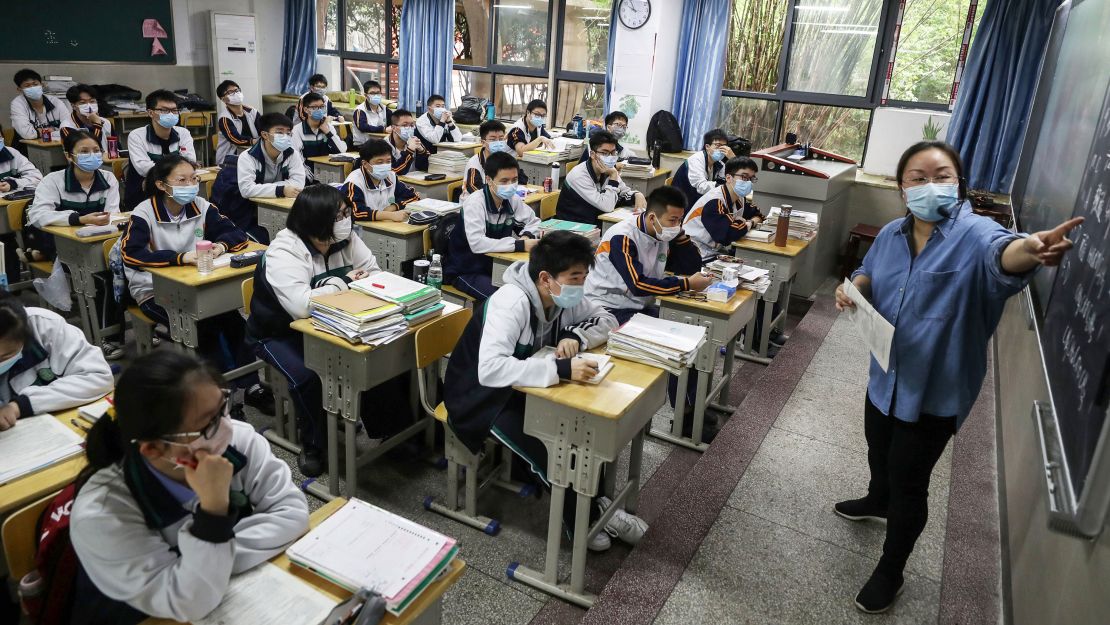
[[162, 232], [45, 363], [371, 116], [494, 219], [595, 187], [86, 115], [373, 189], [941, 275], [705, 169], [315, 255], [176, 498]]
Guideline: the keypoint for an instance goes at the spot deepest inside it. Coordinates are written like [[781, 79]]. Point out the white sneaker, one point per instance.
[[600, 542], [629, 528]]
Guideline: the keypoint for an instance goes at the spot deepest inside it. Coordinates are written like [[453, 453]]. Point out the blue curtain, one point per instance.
[[427, 49], [700, 72], [997, 89], [298, 49], [610, 61]]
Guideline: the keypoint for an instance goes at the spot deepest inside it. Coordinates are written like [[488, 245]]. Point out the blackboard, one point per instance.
[[67, 31]]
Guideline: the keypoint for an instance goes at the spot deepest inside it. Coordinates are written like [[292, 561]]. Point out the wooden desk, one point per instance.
[[393, 243], [501, 262], [346, 371], [647, 185], [608, 220], [723, 322], [536, 196], [435, 189], [84, 256], [427, 609], [46, 157], [783, 263], [24, 490], [674, 160], [594, 423], [327, 172], [190, 298], [466, 148], [272, 213]]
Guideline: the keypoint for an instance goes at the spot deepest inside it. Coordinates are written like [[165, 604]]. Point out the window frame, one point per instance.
[[562, 75]]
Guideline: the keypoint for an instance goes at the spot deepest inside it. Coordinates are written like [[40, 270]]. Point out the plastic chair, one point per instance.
[[20, 537], [193, 121], [39, 268], [454, 191], [670, 180], [141, 324], [284, 434], [433, 342], [548, 205]]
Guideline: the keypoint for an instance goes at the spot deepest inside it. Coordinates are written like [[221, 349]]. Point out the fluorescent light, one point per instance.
[[821, 8]]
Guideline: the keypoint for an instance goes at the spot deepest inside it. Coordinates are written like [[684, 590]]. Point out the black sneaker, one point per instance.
[[260, 399], [777, 337], [312, 462], [238, 413], [860, 510], [879, 593]]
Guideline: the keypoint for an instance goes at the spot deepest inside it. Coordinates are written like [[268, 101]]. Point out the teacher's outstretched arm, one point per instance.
[[1046, 247]]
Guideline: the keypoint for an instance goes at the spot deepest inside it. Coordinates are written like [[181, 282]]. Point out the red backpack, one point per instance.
[[47, 592]]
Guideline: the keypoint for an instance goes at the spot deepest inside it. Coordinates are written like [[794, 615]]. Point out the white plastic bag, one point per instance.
[[55, 288]]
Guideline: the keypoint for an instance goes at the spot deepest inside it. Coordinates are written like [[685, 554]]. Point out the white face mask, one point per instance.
[[666, 234], [341, 231], [87, 109], [235, 99]]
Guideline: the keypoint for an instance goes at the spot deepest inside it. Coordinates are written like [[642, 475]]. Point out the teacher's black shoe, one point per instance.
[[879, 593], [860, 510], [312, 462]]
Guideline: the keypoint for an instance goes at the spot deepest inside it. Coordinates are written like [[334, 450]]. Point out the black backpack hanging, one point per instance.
[[664, 129]]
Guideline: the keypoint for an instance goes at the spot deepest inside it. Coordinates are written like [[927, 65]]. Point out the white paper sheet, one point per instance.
[[35, 443], [876, 331], [266, 595]]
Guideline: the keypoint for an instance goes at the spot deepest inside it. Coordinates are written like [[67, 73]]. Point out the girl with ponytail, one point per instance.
[[177, 497]]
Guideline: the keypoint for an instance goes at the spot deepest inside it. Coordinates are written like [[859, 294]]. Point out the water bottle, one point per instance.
[[204, 257], [556, 169], [435, 272], [579, 129], [782, 225], [489, 111]]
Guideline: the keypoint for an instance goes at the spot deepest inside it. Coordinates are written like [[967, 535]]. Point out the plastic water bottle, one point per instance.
[[435, 272], [556, 169], [204, 257]]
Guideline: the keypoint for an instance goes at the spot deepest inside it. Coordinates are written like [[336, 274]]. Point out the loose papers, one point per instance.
[[35, 443], [266, 595], [876, 331]]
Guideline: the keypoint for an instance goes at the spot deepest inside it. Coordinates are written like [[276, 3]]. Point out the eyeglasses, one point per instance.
[[209, 430], [606, 152], [621, 126], [696, 296], [747, 178], [315, 108], [164, 110], [344, 213], [920, 180]]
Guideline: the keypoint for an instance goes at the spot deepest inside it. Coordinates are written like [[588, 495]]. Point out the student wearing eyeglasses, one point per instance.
[[370, 116], [315, 136], [595, 186], [86, 115], [616, 124], [406, 148], [705, 169], [727, 213], [149, 144], [176, 499], [237, 124]]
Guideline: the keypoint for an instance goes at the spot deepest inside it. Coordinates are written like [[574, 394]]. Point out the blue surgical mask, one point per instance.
[[931, 201], [438, 112], [405, 132], [570, 295], [184, 195], [618, 132], [506, 191], [376, 99], [90, 162], [33, 93], [538, 121], [609, 161], [282, 142], [9, 363], [498, 146], [717, 155], [321, 90], [381, 170], [317, 114], [742, 187], [168, 120]]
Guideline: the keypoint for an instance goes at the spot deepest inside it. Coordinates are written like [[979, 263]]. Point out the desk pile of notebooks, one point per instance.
[[751, 278], [590, 231], [803, 224], [448, 162], [637, 171], [660, 343], [376, 309], [565, 150]]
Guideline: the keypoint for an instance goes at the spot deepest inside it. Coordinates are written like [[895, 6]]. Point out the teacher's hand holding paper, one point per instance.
[[877, 332]]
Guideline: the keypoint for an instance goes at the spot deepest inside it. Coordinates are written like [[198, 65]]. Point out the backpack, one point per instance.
[[439, 233], [664, 128], [471, 110], [56, 564]]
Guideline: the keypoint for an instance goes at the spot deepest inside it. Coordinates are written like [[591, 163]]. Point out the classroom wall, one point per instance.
[[193, 70]]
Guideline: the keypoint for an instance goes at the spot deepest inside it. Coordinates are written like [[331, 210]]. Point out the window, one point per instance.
[[327, 24], [356, 73], [579, 97], [755, 45], [513, 93], [463, 83], [364, 29], [522, 35], [750, 118], [833, 46], [837, 129], [928, 48], [472, 32], [585, 41]]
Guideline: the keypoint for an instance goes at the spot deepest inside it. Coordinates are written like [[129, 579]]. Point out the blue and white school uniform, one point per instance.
[[312, 143], [405, 161], [586, 195], [60, 200], [474, 177], [26, 121], [368, 118], [16, 170], [698, 175], [717, 220], [370, 196], [431, 131], [237, 134], [100, 131], [256, 175], [486, 227], [144, 149], [519, 132]]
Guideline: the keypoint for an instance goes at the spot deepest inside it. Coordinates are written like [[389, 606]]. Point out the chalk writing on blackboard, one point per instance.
[[50, 36]]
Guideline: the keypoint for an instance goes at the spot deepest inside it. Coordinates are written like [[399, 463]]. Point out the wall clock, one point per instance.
[[634, 13]]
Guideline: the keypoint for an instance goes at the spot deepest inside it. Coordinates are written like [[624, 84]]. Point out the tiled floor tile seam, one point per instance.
[[852, 450], [504, 581]]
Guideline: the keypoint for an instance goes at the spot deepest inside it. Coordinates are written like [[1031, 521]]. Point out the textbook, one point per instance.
[[364, 546], [589, 231], [448, 162], [604, 363], [660, 343], [357, 317], [92, 412], [410, 295], [36, 443], [439, 207]]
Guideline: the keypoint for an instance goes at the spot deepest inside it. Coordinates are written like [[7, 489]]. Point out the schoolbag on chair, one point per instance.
[[56, 565]]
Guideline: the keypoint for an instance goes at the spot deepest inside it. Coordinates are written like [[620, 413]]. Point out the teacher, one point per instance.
[[941, 276]]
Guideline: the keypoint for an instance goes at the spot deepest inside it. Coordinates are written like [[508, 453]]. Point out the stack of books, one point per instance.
[[418, 302], [439, 207], [657, 342], [364, 546], [748, 277], [803, 224], [447, 162], [760, 236], [632, 170], [590, 231], [566, 149], [357, 317]]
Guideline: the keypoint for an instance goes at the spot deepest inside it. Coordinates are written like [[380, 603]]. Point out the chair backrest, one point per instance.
[[208, 188], [248, 293], [9, 136], [548, 204], [670, 180], [15, 215], [119, 170], [436, 339], [108, 245], [19, 537], [215, 140], [454, 191], [194, 120]]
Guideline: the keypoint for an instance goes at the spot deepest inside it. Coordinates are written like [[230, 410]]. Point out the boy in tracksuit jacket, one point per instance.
[[616, 124], [408, 150], [494, 219], [529, 133], [493, 135], [149, 144], [725, 214], [16, 172], [32, 109], [56, 368], [437, 125], [705, 169], [595, 187], [373, 189], [315, 136], [540, 305], [371, 115], [86, 115], [237, 124]]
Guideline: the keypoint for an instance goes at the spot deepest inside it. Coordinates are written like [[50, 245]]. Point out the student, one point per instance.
[[492, 133], [725, 214], [272, 168], [437, 125], [317, 83], [16, 172], [149, 144], [315, 255], [631, 265], [408, 150], [315, 136], [86, 115], [32, 109], [370, 116], [529, 133], [595, 186], [706, 169], [162, 232], [176, 498], [495, 219], [237, 124], [540, 305], [45, 363], [373, 189], [616, 124]]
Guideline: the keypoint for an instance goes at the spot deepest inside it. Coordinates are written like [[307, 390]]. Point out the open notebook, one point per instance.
[[35, 443], [603, 362]]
